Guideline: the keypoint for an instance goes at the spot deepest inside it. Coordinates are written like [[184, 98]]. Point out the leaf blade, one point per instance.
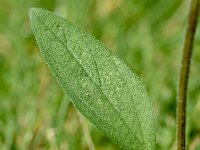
[[100, 85]]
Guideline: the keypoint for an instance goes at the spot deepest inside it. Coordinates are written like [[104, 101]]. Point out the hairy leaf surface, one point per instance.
[[100, 85]]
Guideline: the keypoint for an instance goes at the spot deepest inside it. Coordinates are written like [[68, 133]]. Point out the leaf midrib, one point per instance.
[[80, 99], [121, 118]]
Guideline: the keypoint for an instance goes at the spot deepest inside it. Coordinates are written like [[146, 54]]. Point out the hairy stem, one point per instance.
[[184, 74]]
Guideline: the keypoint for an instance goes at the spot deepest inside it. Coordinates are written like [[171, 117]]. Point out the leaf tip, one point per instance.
[[32, 11]]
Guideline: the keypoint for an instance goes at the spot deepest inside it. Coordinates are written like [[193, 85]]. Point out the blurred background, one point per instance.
[[147, 35]]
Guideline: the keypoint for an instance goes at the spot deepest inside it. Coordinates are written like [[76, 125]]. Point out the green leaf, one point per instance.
[[100, 85]]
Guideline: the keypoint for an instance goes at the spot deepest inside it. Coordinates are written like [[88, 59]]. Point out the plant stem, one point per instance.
[[184, 74]]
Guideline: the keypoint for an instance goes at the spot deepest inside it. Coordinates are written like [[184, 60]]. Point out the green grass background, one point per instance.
[[147, 35]]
